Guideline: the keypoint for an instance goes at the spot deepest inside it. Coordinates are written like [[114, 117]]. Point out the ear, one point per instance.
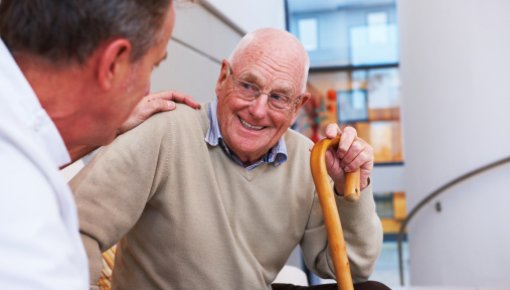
[[223, 77], [114, 62], [302, 101]]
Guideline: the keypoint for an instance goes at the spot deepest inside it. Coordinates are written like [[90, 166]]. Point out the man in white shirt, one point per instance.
[[71, 72]]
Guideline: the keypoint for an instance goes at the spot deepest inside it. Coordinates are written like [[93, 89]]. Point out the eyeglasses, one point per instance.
[[249, 92]]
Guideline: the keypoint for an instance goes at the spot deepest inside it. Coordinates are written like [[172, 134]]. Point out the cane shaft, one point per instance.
[[330, 211]]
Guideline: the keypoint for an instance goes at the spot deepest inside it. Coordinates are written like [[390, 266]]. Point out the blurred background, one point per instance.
[[426, 83]]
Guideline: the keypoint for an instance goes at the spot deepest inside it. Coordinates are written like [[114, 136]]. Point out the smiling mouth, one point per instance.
[[250, 126]]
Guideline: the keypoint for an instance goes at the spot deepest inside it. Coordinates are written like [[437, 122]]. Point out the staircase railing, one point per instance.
[[430, 197]]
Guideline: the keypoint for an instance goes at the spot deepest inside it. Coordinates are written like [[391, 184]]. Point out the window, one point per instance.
[[354, 81], [308, 33], [345, 32]]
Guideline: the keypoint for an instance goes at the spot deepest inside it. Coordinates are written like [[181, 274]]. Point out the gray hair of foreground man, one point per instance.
[[70, 31]]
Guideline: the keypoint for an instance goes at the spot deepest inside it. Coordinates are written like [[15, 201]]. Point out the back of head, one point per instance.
[[71, 30]]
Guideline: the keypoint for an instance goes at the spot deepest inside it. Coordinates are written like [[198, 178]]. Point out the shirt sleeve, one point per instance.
[[112, 191], [362, 233]]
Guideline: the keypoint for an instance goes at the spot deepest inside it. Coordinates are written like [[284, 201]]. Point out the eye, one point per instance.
[[156, 65], [279, 97], [248, 86]]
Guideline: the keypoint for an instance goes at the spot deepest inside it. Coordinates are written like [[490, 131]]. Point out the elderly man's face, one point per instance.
[[251, 127]]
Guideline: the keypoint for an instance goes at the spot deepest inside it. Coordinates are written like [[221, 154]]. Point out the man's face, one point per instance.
[[251, 128], [136, 83]]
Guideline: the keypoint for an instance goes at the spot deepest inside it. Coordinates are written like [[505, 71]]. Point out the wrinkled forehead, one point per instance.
[[266, 62], [277, 79]]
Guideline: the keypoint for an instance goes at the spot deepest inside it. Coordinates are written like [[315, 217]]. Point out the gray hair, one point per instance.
[[71, 30]]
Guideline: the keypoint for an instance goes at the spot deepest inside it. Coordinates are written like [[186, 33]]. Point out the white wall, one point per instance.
[[249, 15], [455, 57], [200, 41]]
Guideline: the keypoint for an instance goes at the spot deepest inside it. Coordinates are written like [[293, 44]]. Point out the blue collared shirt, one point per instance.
[[276, 155]]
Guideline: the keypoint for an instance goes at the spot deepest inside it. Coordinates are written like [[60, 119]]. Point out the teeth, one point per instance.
[[249, 126]]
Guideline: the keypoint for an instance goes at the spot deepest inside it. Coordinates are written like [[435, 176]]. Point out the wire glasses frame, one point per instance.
[[249, 92]]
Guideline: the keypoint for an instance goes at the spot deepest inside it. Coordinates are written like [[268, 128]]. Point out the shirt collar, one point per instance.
[[276, 155]]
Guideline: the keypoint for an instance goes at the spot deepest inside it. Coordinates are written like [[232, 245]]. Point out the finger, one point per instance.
[[332, 130], [355, 149], [176, 97], [158, 105], [171, 105], [335, 171], [330, 159], [364, 160], [348, 136], [364, 175], [168, 95], [333, 166], [185, 99]]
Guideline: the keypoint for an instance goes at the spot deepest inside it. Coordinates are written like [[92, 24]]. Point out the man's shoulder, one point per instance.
[[181, 116], [181, 113]]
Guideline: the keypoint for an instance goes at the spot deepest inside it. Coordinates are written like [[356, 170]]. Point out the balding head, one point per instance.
[[260, 91], [275, 44]]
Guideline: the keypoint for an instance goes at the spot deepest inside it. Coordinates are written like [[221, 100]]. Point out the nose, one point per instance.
[[258, 107]]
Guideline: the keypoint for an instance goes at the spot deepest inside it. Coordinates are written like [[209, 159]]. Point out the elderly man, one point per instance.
[[219, 198], [70, 74]]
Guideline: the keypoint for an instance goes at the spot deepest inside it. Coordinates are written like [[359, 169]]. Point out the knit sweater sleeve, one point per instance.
[[362, 232], [112, 191]]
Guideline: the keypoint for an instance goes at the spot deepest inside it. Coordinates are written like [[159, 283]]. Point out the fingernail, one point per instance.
[[171, 105], [330, 132]]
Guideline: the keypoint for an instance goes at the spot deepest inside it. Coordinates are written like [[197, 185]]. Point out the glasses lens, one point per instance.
[[279, 101], [247, 90]]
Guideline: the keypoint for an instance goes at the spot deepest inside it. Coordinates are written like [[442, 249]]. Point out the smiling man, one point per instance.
[[219, 198]]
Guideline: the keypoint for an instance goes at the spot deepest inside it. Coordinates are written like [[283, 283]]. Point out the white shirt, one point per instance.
[[40, 247]]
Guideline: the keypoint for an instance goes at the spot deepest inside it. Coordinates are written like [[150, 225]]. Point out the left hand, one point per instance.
[[155, 103], [352, 153]]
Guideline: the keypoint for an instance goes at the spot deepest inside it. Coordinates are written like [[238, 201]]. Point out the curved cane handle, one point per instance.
[[330, 211]]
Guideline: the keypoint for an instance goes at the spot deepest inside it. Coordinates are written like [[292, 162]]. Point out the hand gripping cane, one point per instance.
[[330, 211]]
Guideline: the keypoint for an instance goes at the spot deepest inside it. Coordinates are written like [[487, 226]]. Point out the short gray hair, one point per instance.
[[71, 30]]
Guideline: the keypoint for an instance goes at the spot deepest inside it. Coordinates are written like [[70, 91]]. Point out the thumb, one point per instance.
[[171, 105]]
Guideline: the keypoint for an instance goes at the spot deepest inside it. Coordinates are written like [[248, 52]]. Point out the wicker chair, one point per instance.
[[104, 282]]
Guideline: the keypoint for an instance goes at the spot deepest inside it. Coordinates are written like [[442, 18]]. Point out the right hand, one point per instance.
[[352, 153]]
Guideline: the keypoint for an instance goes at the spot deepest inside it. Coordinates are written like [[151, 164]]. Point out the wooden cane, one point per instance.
[[330, 211]]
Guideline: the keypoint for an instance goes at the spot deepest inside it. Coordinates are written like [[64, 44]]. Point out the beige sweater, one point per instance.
[[188, 217]]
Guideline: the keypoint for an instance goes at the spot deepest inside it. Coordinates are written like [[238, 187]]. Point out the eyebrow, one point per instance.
[[253, 78]]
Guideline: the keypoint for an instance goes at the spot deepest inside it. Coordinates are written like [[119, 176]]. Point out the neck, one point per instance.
[[58, 89], [248, 160]]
